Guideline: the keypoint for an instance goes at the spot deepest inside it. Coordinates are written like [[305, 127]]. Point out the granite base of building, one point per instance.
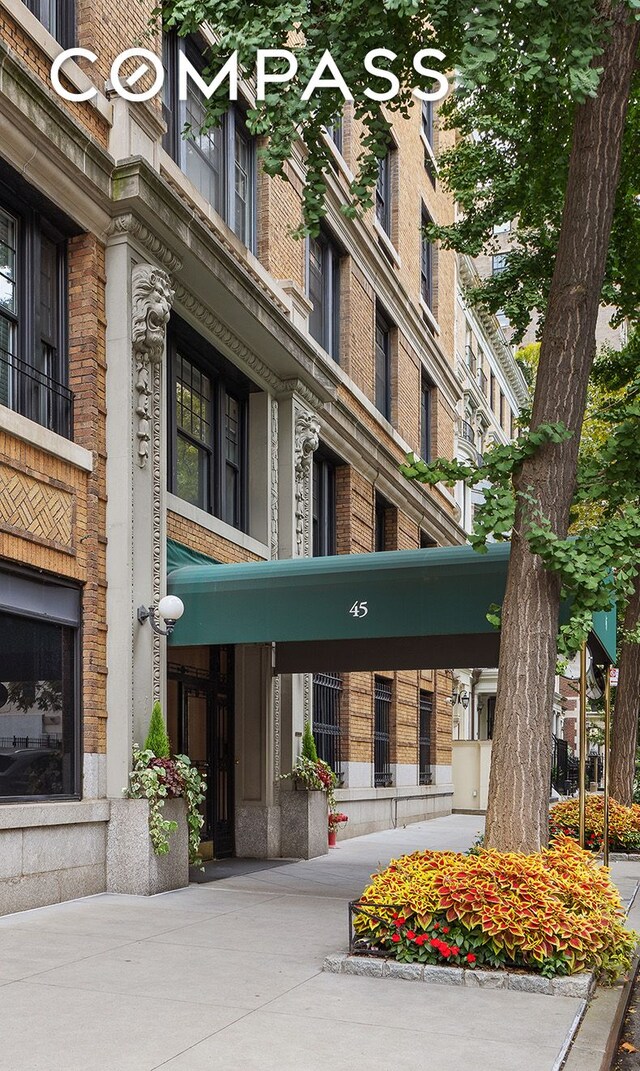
[[371, 810], [303, 824], [132, 865], [50, 852]]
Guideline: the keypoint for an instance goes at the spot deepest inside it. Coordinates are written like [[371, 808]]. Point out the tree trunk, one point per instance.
[[518, 811], [627, 709]]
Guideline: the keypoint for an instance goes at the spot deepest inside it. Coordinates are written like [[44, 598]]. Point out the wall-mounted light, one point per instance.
[[460, 697], [170, 609]]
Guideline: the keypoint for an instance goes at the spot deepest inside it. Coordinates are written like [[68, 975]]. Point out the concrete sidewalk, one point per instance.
[[227, 975]]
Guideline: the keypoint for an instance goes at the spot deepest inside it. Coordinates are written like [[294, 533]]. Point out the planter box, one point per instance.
[[304, 824], [132, 865]]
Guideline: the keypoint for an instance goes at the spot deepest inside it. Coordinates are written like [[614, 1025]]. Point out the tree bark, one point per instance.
[[518, 810], [627, 709]]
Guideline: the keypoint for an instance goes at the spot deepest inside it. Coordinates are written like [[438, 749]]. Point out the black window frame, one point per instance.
[[381, 516], [232, 123], [427, 392], [426, 708], [382, 364], [382, 712], [323, 505], [384, 192], [36, 370], [427, 262], [183, 343], [40, 598], [64, 14], [324, 321], [335, 132], [327, 718], [499, 263]]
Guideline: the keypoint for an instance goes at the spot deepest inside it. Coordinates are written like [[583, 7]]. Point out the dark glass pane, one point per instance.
[[48, 292], [316, 289], [382, 368], [243, 186], [427, 120], [382, 194], [37, 708], [192, 467], [204, 151], [193, 401], [8, 237]]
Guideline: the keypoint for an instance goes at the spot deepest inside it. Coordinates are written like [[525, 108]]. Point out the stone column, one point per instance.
[[139, 299]]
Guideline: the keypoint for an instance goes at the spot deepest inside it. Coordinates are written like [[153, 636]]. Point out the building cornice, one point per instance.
[[499, 346]]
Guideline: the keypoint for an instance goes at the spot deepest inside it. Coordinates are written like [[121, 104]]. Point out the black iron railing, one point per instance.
[[19, 742], [327, 689], [564, 768], [361, 944], [382, 733], [465, 431], [424, 738], [27, 390]]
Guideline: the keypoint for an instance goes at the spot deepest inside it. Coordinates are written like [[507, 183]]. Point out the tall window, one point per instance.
[[428, 120], [39, 688], [424, 737], [384, 192], [33, 357], [219, 161], [427, 391], [426, 262], [58, 17], [324, 505], [335, 130], [501, 409], [383, 365], [383, 516], [327, 690], [382, 732], [492, 391], [498, 263], [209, 430], [324, 293]]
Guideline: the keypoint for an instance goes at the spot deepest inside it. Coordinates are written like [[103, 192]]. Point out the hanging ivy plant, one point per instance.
[[158, 779]]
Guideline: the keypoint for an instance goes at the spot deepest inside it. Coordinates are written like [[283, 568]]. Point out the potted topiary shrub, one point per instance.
[[157, 834]]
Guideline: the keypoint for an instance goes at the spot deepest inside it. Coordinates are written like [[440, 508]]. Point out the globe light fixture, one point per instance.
[[169, 610]]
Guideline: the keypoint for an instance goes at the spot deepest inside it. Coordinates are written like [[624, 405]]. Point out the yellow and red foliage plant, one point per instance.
[[554, 912], [624, 823]]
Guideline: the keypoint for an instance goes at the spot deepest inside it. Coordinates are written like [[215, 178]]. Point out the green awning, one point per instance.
[[413, 609]]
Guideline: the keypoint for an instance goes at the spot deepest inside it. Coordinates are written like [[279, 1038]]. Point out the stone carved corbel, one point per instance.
[[152, 297], [307, 439]]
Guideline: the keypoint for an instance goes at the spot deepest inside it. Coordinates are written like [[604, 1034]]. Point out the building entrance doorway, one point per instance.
[[200, 721]]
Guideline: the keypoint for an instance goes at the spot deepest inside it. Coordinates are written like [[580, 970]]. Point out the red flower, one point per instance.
[[455, 950], [401, 920], [410, 935], [395, 937], [471, 958], [434, 942], [445, 929], [446, 951], [436, 925], [421, 938]]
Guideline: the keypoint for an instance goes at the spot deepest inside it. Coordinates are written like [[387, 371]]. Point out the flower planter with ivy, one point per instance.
[[154, 833]]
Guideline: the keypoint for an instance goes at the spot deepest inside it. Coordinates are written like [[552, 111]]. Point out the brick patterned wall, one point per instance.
[[193, 535], [58, 519]]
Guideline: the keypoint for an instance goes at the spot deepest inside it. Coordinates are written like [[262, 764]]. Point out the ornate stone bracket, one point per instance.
[[152, 297], [306, 440]]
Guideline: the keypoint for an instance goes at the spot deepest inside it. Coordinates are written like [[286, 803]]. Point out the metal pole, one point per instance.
[[607, 741], [582, 769]]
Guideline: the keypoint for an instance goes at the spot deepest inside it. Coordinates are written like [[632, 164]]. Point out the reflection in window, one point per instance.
[[37, 707]]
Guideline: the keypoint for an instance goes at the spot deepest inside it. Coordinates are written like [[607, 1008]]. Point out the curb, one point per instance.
[[576, 985]]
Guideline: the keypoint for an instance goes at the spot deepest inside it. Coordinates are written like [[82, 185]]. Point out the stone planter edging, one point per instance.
[[575, 985]]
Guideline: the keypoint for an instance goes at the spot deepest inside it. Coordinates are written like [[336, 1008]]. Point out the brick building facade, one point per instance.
[[177, 371]]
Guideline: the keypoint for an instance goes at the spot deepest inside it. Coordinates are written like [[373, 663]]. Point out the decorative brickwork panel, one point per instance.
[[36, 509]]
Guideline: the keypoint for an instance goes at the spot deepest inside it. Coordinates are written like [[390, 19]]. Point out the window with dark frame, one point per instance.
[[323, 286], [492, 392], [33, 311], [382, 696], [219, 161], [501, 409], [335, 131], [428, 114], [426, 262], [208, 418], [40, 693], [327, 692], [427, 391], [382, 510], [323, 505], [58, 17], [424, 737], [383, 192], [498, 263], [383, 365]]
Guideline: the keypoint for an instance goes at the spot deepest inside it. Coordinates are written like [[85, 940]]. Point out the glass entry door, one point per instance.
[[200, 722]]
